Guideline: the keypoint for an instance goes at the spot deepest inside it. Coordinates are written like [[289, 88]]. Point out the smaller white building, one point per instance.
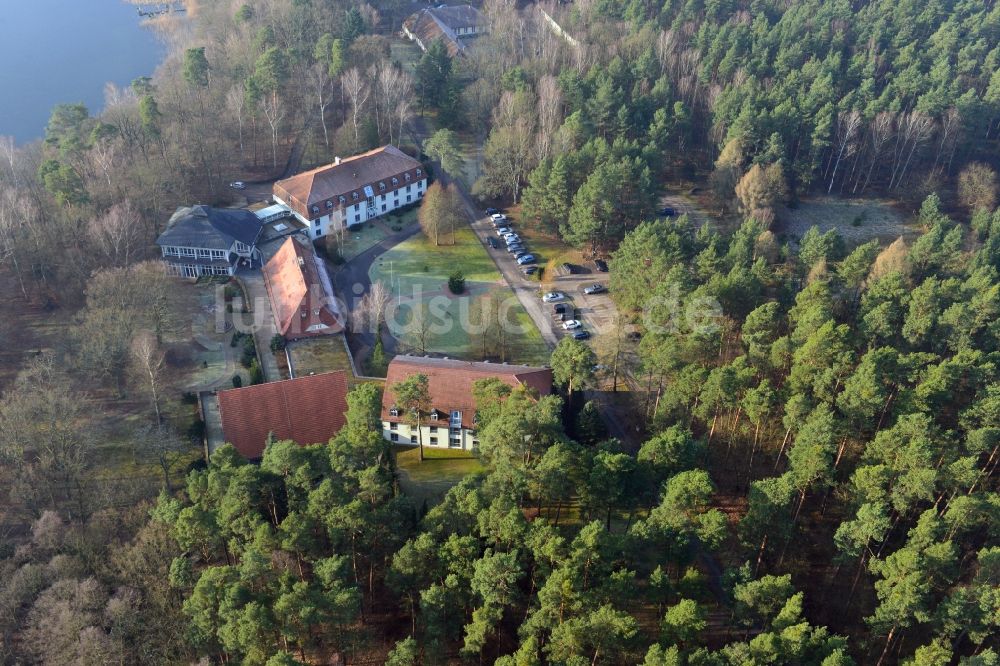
[[453, 26], [353, 190], [451, 421]]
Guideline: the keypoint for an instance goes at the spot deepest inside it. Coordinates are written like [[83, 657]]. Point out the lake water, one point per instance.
[[56, 51]]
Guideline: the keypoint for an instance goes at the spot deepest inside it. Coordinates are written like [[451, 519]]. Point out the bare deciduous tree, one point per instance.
[[549, 113], [147, 358], [117, 234], [357, 91], [321, 86], [273, 108]]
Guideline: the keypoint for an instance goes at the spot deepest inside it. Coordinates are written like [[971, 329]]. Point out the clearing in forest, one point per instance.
[[857, 220]]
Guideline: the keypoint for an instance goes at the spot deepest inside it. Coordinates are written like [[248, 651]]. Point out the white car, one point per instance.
[[553, 296], [511, 239], [238, 185], [594, 289], [498, 217], [503, 230], [571, 324]]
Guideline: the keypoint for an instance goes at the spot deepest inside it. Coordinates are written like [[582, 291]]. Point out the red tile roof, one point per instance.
[[345, 178], [450, 383], [306, 410], [300, 292]]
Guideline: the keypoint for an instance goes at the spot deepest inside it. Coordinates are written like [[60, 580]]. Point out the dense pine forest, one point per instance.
[[817, 479]]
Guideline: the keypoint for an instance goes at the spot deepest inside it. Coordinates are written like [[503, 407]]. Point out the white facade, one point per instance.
[[345, 213], [442, 433], [175, 256]]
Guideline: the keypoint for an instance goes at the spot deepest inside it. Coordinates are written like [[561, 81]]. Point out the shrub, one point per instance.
[[256, 374], [237, 381], [277, 343], [456, 282]]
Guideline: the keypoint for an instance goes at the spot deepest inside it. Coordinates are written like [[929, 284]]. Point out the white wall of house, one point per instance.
[[355, 211], [439, 436]]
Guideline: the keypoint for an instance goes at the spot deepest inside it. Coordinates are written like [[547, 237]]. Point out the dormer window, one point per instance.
[[395, 181], [343, 199], [354, 195], [315, 209], [381, 186], [434, 415], [329, 205], [394, 412], [418, 172], [406, 176]]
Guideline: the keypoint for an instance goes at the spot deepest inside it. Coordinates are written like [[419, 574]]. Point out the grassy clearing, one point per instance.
[[361, 237], [417, 273], [431, 479], [857, 220]]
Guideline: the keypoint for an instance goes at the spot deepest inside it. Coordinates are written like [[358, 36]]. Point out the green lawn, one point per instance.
[[417, 273], [318, 355], [441, 469]]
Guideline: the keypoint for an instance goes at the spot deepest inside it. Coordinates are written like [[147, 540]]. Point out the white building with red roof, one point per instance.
[[451, 421], [352, 190]]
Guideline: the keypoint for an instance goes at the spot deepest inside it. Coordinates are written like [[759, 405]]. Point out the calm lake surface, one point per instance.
[[55, 51]]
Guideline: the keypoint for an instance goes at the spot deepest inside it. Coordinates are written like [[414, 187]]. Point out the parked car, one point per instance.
[[238, 185], [520, 253], [492, 242], [601, 265], [526, 259], [569, 268], [571, 324], [559, 308], [498, 217], [667, 212], [529, 270], [553, 296], [634, 336], [510, 239], [503, 230], [492, 211], [516, 247], [595, 289], [581, 335]]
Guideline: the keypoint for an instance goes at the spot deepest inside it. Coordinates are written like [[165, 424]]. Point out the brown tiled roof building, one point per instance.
[[450, 386], [300, 292], [452, 25], [352, 186], [306, 410]]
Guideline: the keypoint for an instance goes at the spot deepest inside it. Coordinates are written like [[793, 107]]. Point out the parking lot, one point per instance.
[[595, 312]]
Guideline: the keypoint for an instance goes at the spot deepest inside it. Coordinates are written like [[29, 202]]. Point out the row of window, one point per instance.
[[356, 195], [201, 253], [456, 415], [357, 216], [432, 440], [456, 428]]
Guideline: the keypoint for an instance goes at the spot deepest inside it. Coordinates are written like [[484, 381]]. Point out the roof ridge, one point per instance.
[[290, 379]]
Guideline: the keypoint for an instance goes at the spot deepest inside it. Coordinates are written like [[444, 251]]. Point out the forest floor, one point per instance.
[[857, 220]]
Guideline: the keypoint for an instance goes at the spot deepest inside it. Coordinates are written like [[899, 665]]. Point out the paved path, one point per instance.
[[264, 328]]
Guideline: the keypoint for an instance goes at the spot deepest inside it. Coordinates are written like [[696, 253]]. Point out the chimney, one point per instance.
[[336, 160]]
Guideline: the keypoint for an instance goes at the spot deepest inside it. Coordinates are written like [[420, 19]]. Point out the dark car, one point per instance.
[[492, 211], [601, 265], [667, 212], [634, 336], [520, 253], [569, 268], [529, 270], [492, 242], [515, 247], [559, 308], [581, 335]]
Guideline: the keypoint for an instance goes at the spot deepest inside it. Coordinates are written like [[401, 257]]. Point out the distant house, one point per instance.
[[201, 240], [300, 292], [306, 410], [352, 190], [452, 25], [451, 423]]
